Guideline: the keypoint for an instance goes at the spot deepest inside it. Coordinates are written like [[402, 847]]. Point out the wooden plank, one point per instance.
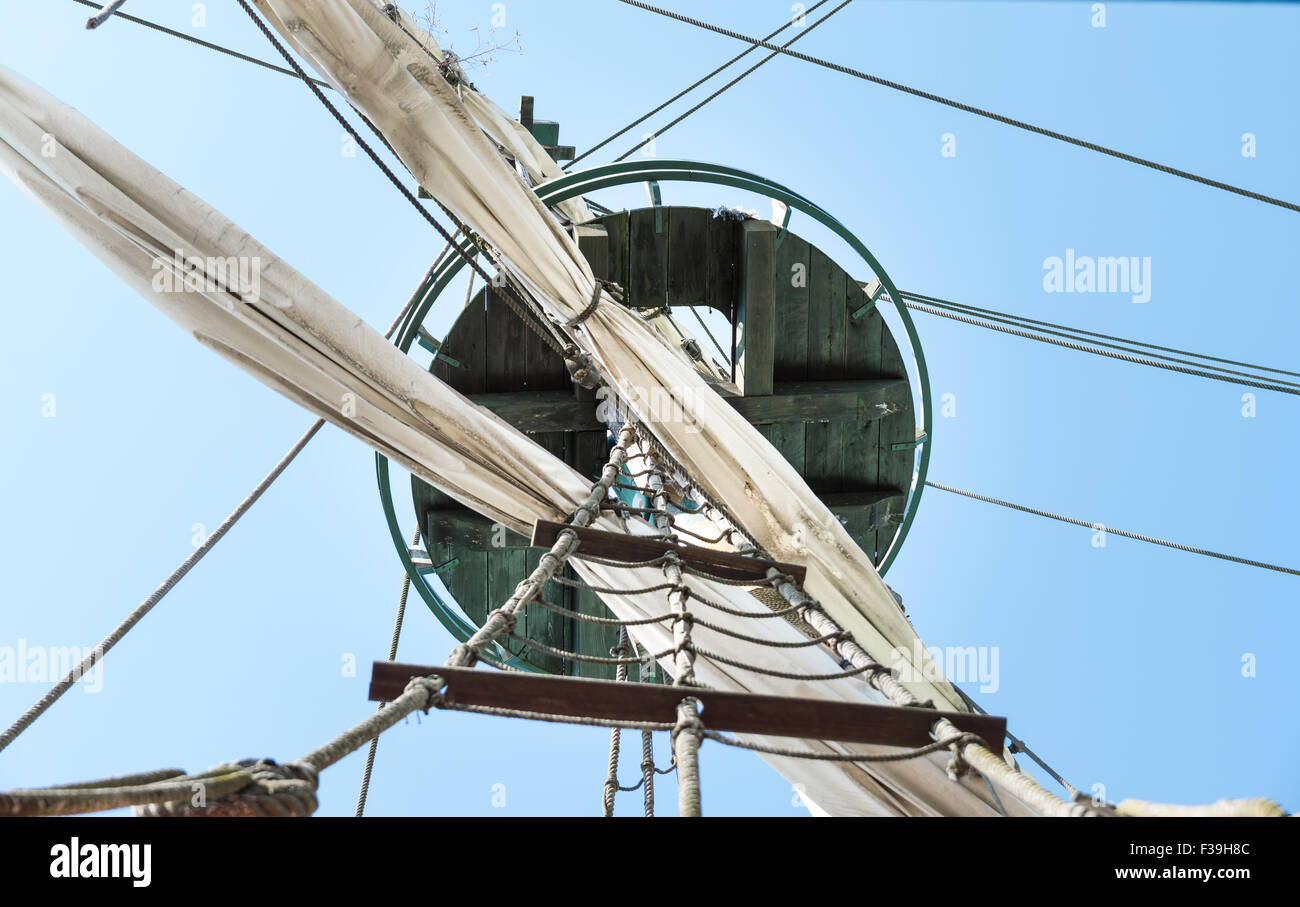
[[756, 309], [861, 453], [864, 512], [744, 713], [790, 359], [466, 580], [593, 243], [632, 548], [723, 254], [616, 226], [467, 344], [466, 530], [823, 401], [688, 262], [542, 410], [788, 439], [859, 402], [499, 370], [647, 259], [824, 468], [895, 467]]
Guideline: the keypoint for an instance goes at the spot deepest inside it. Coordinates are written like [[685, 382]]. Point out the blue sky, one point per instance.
[[1111, 659]]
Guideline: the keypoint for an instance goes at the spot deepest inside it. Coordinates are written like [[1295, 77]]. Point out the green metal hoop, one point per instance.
[[570, 185]]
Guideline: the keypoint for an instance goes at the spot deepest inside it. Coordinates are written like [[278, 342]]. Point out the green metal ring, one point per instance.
[[563, 188]]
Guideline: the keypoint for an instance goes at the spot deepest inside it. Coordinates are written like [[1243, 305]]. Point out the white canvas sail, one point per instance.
[[274, 323]]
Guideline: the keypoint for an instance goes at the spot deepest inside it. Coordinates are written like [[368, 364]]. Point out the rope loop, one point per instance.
[[591, 306], [433, 686]]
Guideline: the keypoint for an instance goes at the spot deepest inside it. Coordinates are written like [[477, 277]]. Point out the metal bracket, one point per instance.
[[656, 199], [434, 345], [780, 217], [875, 291], [421, 561], [921, 438]]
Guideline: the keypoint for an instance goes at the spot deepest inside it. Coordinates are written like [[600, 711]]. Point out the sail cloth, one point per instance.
[[375, 64], [238, 299]]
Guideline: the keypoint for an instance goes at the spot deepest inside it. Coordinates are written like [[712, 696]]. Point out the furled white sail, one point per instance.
[[238, 299], [357, 48]]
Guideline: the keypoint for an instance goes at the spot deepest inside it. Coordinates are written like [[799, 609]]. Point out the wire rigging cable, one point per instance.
[[697, 107], [978, 111], [199, 41], [685, 91], [956, 312], [935, 300], [1129, 535]]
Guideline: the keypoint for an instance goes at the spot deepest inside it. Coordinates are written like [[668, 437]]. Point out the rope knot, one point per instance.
[[688, 719], [957, 766], [273, 791], [508, 618], [433, 685], [463, 656]]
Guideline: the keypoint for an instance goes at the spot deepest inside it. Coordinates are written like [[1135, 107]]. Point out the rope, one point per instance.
[[612, 786], [622, 661], [1131, 535], [502, 620], [392, 657], [687, 733], [652, 444], [579, 584], [974, 754], [251, 787], [661, 130], [553, 718], [1123, 357], [967, 108], [399, 185], [1019, 746], [961, 306], [147, 605], [1254, 807], [193, 40], [113, 638], [648, 769], [937, 746], [685, 91]]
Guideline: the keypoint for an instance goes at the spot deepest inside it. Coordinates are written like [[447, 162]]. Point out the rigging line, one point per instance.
[[147, 605], [1121, 532], [978, 111], [661, 130], [392, 656], [935, 300], [1067, 333], [716, 345], [112, 639], [199, 41], [686, 91], [1123, 357], [370, 152], [1018, 745]]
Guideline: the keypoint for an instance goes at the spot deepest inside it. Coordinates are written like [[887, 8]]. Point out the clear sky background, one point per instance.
[[1122, 665]]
